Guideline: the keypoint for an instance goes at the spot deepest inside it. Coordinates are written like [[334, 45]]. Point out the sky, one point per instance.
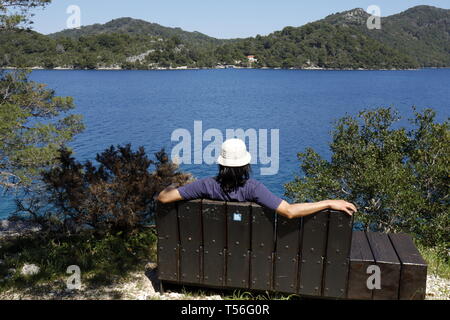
[[220, 19]]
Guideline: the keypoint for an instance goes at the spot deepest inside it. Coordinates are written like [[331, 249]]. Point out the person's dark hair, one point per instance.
[[231, 178]]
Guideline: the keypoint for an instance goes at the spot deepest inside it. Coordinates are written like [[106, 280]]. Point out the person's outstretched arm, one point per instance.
[[298, 210], [169, 194]]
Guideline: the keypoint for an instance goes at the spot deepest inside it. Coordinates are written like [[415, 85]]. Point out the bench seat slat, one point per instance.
[[168, 247], [338, 249], [387, 260], [413, 275], [313, 249], [263, 230], [238, 244], [361, 258], [189, 215], [214, 242], [286, 255]]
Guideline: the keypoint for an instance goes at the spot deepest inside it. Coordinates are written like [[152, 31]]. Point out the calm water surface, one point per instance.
[[145, 107]]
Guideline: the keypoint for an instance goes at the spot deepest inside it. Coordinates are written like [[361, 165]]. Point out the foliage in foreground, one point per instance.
[[436, 263], [398, 177], [95, 217], [32, 127], [14, 13], [101, 259], [34, 122], [118, 195]]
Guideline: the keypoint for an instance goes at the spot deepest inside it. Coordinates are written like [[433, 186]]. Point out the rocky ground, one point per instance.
[[145, 286], [139, 285], [12, 228], [437, 288]]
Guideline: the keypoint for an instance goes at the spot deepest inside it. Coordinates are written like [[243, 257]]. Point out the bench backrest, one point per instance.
[[243, 245]]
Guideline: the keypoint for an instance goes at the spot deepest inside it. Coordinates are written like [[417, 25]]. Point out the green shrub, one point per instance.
[[397, 177]]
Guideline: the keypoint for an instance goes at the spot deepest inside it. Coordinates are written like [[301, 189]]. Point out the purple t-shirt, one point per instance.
[[209, 188]]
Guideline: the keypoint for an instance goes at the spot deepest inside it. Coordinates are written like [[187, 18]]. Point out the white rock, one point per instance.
[[29, 269], [174, 295]]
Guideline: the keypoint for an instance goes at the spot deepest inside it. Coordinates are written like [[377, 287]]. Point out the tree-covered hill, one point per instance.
[[422, 32], [319, 45], [418, 37], [134, 27]]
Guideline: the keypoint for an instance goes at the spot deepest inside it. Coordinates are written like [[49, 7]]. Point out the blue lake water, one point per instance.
[[145, 107]]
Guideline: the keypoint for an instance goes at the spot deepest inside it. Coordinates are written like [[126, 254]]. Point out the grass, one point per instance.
[[102, 259], [436, 263]]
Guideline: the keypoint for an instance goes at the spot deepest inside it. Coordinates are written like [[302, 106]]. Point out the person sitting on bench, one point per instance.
[[233, 183]]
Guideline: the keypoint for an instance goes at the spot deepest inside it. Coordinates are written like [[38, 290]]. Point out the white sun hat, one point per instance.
[[234, 154]]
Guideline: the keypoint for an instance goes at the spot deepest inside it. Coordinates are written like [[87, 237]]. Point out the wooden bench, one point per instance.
[[245, 246]]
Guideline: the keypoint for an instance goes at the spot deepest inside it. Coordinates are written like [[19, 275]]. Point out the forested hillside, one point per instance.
[[422, 32], [418, 37]]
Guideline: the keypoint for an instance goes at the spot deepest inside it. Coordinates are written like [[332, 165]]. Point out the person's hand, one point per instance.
[[342, 205]]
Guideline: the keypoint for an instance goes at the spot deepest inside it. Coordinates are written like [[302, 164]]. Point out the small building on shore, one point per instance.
[[251, 58]]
